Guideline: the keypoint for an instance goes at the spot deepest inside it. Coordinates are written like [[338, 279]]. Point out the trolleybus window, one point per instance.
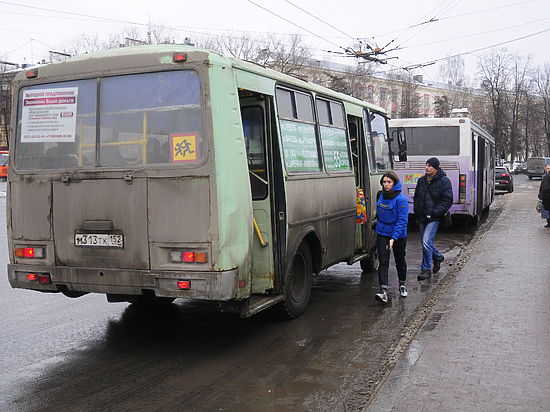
[[333, 135], [301, 151], [433, 140], [145, 118]]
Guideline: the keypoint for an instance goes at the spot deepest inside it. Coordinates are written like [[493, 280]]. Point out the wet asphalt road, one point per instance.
[[87, 355]]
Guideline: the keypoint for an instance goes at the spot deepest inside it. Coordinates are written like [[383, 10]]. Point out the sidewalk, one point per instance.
[[486, 345]]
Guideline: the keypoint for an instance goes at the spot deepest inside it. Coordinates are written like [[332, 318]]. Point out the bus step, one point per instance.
[[257, 303]]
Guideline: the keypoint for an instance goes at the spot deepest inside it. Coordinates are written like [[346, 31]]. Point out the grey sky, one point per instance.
[[28, 33]]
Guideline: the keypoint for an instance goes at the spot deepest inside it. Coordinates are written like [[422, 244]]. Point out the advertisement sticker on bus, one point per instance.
[[184, 148], [411, 178], [49, 115]]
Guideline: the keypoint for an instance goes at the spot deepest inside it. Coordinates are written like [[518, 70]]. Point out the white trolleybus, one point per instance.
[[162, 172], [467, 155]]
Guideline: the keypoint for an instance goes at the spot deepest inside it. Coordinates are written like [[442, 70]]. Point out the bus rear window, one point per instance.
[[433, 140], [152, 118]]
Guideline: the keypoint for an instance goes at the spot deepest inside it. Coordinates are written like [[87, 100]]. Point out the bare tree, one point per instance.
[[494, 70], [290, 56], [516, 99], [442, 106], [6, 78], [410, 100], [542, 82]]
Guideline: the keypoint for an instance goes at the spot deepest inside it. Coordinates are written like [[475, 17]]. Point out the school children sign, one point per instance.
[[49, 115]]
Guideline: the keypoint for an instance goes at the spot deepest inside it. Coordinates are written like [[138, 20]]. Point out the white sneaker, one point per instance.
[[403, 291], [382, 297]]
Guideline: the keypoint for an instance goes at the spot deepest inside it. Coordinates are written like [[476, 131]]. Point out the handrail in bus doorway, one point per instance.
[[260, 238]]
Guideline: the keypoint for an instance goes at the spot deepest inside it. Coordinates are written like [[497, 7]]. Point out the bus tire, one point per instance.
[[298, 283], [473, 221], [370, 264]]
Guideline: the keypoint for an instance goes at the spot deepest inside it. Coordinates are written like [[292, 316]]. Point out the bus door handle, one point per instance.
[[128, 178], [281, 216], [66, 179]]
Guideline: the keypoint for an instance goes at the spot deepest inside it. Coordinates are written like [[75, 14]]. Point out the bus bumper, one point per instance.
[[219, 286]]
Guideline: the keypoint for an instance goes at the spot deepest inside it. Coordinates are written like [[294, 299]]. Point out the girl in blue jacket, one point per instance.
[[393, 214]]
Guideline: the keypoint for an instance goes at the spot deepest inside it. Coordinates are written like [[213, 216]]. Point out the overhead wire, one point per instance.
[[448, 7], [456, 16], [322, 21], [175, 28], [294, 24], [430, 62], [415, 25], [474, 34]]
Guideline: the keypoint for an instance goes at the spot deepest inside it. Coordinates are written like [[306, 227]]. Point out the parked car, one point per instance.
[[535, 166], [4, 157], [504, 179], [521, 167]]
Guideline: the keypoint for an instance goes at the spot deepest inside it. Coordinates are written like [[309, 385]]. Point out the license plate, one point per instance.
[[98, 240]]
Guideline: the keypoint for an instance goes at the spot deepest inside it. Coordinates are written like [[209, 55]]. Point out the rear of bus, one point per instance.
[[114, 187], [439, 138]]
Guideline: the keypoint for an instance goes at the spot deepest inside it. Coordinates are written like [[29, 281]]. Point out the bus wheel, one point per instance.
[[473, 220], [298, 282], [370, 264]]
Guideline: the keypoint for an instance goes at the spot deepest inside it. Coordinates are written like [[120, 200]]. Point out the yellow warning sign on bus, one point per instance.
[[184, 148]]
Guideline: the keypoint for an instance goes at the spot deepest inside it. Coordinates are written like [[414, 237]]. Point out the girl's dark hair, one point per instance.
[[392, 175]]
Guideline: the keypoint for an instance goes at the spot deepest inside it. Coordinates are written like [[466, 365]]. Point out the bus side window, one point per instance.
[[254, 137]]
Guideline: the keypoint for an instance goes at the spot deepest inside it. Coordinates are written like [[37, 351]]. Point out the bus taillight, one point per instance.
[[31, 74], [43, 278], [188, 256], [184, 284], [179, 57], [461, 188], [29, 252]]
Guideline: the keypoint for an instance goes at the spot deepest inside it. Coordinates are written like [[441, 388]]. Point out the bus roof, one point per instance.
[[162, 54]]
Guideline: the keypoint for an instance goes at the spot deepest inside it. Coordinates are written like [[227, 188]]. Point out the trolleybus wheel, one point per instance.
[[298, 282], [370, 264]]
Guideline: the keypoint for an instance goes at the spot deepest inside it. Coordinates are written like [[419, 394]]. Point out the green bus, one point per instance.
[[160, 172]]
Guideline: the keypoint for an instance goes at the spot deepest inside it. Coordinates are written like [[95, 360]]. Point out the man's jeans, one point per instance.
[[429, 251]]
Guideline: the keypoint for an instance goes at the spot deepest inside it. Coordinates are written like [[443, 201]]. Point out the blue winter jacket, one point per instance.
[[393, 214]]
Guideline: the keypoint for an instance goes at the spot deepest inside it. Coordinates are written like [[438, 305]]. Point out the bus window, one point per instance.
[[333, 135], [144, 118], [300, 147], [379, 142], [254, 136], [66, 142], [159, 122], [433, 140]]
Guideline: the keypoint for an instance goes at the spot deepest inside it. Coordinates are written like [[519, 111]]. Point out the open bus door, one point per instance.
[[268, 201]]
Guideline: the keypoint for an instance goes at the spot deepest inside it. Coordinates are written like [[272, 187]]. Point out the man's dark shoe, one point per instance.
[[437, 264], [425, 274]]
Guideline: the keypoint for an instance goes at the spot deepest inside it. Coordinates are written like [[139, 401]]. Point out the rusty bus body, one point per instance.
[[162, 172]]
